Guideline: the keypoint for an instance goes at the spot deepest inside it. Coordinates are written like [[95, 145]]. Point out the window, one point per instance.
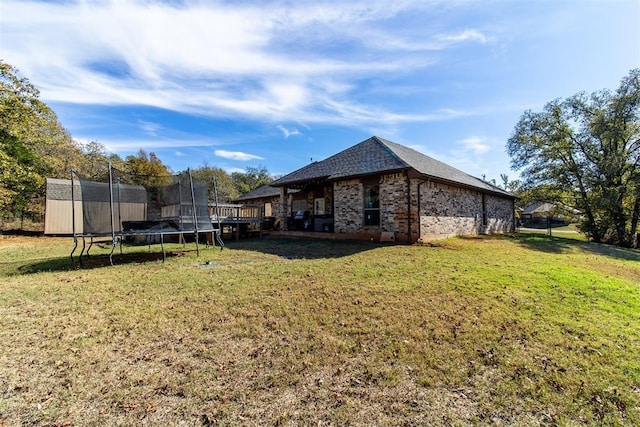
[[371, 204], [299, 205], [318, 206]]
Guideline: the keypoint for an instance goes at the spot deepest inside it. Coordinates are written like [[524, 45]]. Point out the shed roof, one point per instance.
[[91, 191], [377, 155]]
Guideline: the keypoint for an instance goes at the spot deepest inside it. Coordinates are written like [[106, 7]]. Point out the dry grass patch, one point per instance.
[[525, 330]]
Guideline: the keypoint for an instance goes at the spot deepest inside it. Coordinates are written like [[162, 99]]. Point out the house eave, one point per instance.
[[305, 183], [462, 185], [302, 183]]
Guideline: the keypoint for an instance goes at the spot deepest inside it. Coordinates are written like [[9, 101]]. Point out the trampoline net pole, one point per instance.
[[215, 195], [195, 213], [73, 217], [113, 231]]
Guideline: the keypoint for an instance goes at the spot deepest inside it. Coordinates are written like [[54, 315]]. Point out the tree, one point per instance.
[[251, 179], [33, 144], [584, 152], [225, 186], [505, 180], [95, 165], [146, 169]]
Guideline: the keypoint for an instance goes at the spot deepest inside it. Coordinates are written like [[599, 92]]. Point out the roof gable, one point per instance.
[[366, 158], [377, 155], [431, 167], [538, 207]]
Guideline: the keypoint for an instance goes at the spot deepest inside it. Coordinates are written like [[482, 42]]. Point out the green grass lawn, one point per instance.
[[568, 232], [487, 330]]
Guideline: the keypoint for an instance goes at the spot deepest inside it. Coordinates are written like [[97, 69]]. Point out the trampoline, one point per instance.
[[124, 208]]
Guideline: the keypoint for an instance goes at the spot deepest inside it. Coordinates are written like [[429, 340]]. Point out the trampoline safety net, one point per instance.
[[122, 205]]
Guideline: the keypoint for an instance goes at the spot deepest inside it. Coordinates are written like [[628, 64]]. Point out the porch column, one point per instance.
[[283, 209]]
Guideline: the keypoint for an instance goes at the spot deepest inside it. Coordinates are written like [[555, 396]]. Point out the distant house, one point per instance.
[[537, 210], [378, 189], [540, 212]]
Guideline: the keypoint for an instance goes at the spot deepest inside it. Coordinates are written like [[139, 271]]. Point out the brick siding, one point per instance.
[[447, 211], [444, 210], [348, 198]]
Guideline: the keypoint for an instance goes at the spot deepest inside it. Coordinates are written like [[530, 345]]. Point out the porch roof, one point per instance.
[[263, 192]]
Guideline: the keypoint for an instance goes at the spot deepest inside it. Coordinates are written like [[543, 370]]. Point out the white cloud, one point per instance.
[[476, 144], [288, 132], [271, 61], [149, 128], [135, 144], [464, 36], [236, 155]]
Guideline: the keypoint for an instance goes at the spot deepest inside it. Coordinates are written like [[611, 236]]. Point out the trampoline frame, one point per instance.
[[116, 237]]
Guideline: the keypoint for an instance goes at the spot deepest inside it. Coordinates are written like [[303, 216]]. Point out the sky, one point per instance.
[[278, 84]]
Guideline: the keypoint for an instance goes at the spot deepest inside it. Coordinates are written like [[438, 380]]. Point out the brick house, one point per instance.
[[378, 189]]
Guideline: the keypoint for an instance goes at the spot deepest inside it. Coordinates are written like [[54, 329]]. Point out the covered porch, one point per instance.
[[309, 209]]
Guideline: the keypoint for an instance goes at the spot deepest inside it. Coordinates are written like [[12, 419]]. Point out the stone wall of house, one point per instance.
[[282, 208], [500, 214], [395, 215], [348, 199], [443, 211], [275, 205], [393, 197], [414, 188], [447, 211]]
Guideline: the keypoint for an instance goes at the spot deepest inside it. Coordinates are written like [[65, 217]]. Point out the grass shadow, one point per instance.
[[559, 245], [91, 262], [301, 248]]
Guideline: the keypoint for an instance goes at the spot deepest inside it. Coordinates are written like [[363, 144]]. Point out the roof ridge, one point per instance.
[[385, 145], [378, 155], [478, 182]]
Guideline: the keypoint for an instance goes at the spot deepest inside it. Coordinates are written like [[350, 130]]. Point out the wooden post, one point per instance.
[[237, 221]]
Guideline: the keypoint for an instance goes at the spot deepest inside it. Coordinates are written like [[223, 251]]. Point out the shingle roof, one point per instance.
[[539, 207], [377, 155], [261, 192], [91, 191]]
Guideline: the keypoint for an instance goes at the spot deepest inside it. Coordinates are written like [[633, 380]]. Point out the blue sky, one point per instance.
[[275, 84]]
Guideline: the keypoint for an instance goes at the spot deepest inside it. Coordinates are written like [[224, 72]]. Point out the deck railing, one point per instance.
[[233, 212], [238, 218]]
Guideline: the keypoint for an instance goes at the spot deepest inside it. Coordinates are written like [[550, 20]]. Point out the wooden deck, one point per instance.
[[237, 220]]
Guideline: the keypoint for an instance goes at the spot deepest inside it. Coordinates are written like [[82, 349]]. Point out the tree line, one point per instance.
[[34, 146], [581, 153]]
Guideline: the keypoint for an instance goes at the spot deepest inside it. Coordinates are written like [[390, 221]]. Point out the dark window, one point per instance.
[[371, 204]]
